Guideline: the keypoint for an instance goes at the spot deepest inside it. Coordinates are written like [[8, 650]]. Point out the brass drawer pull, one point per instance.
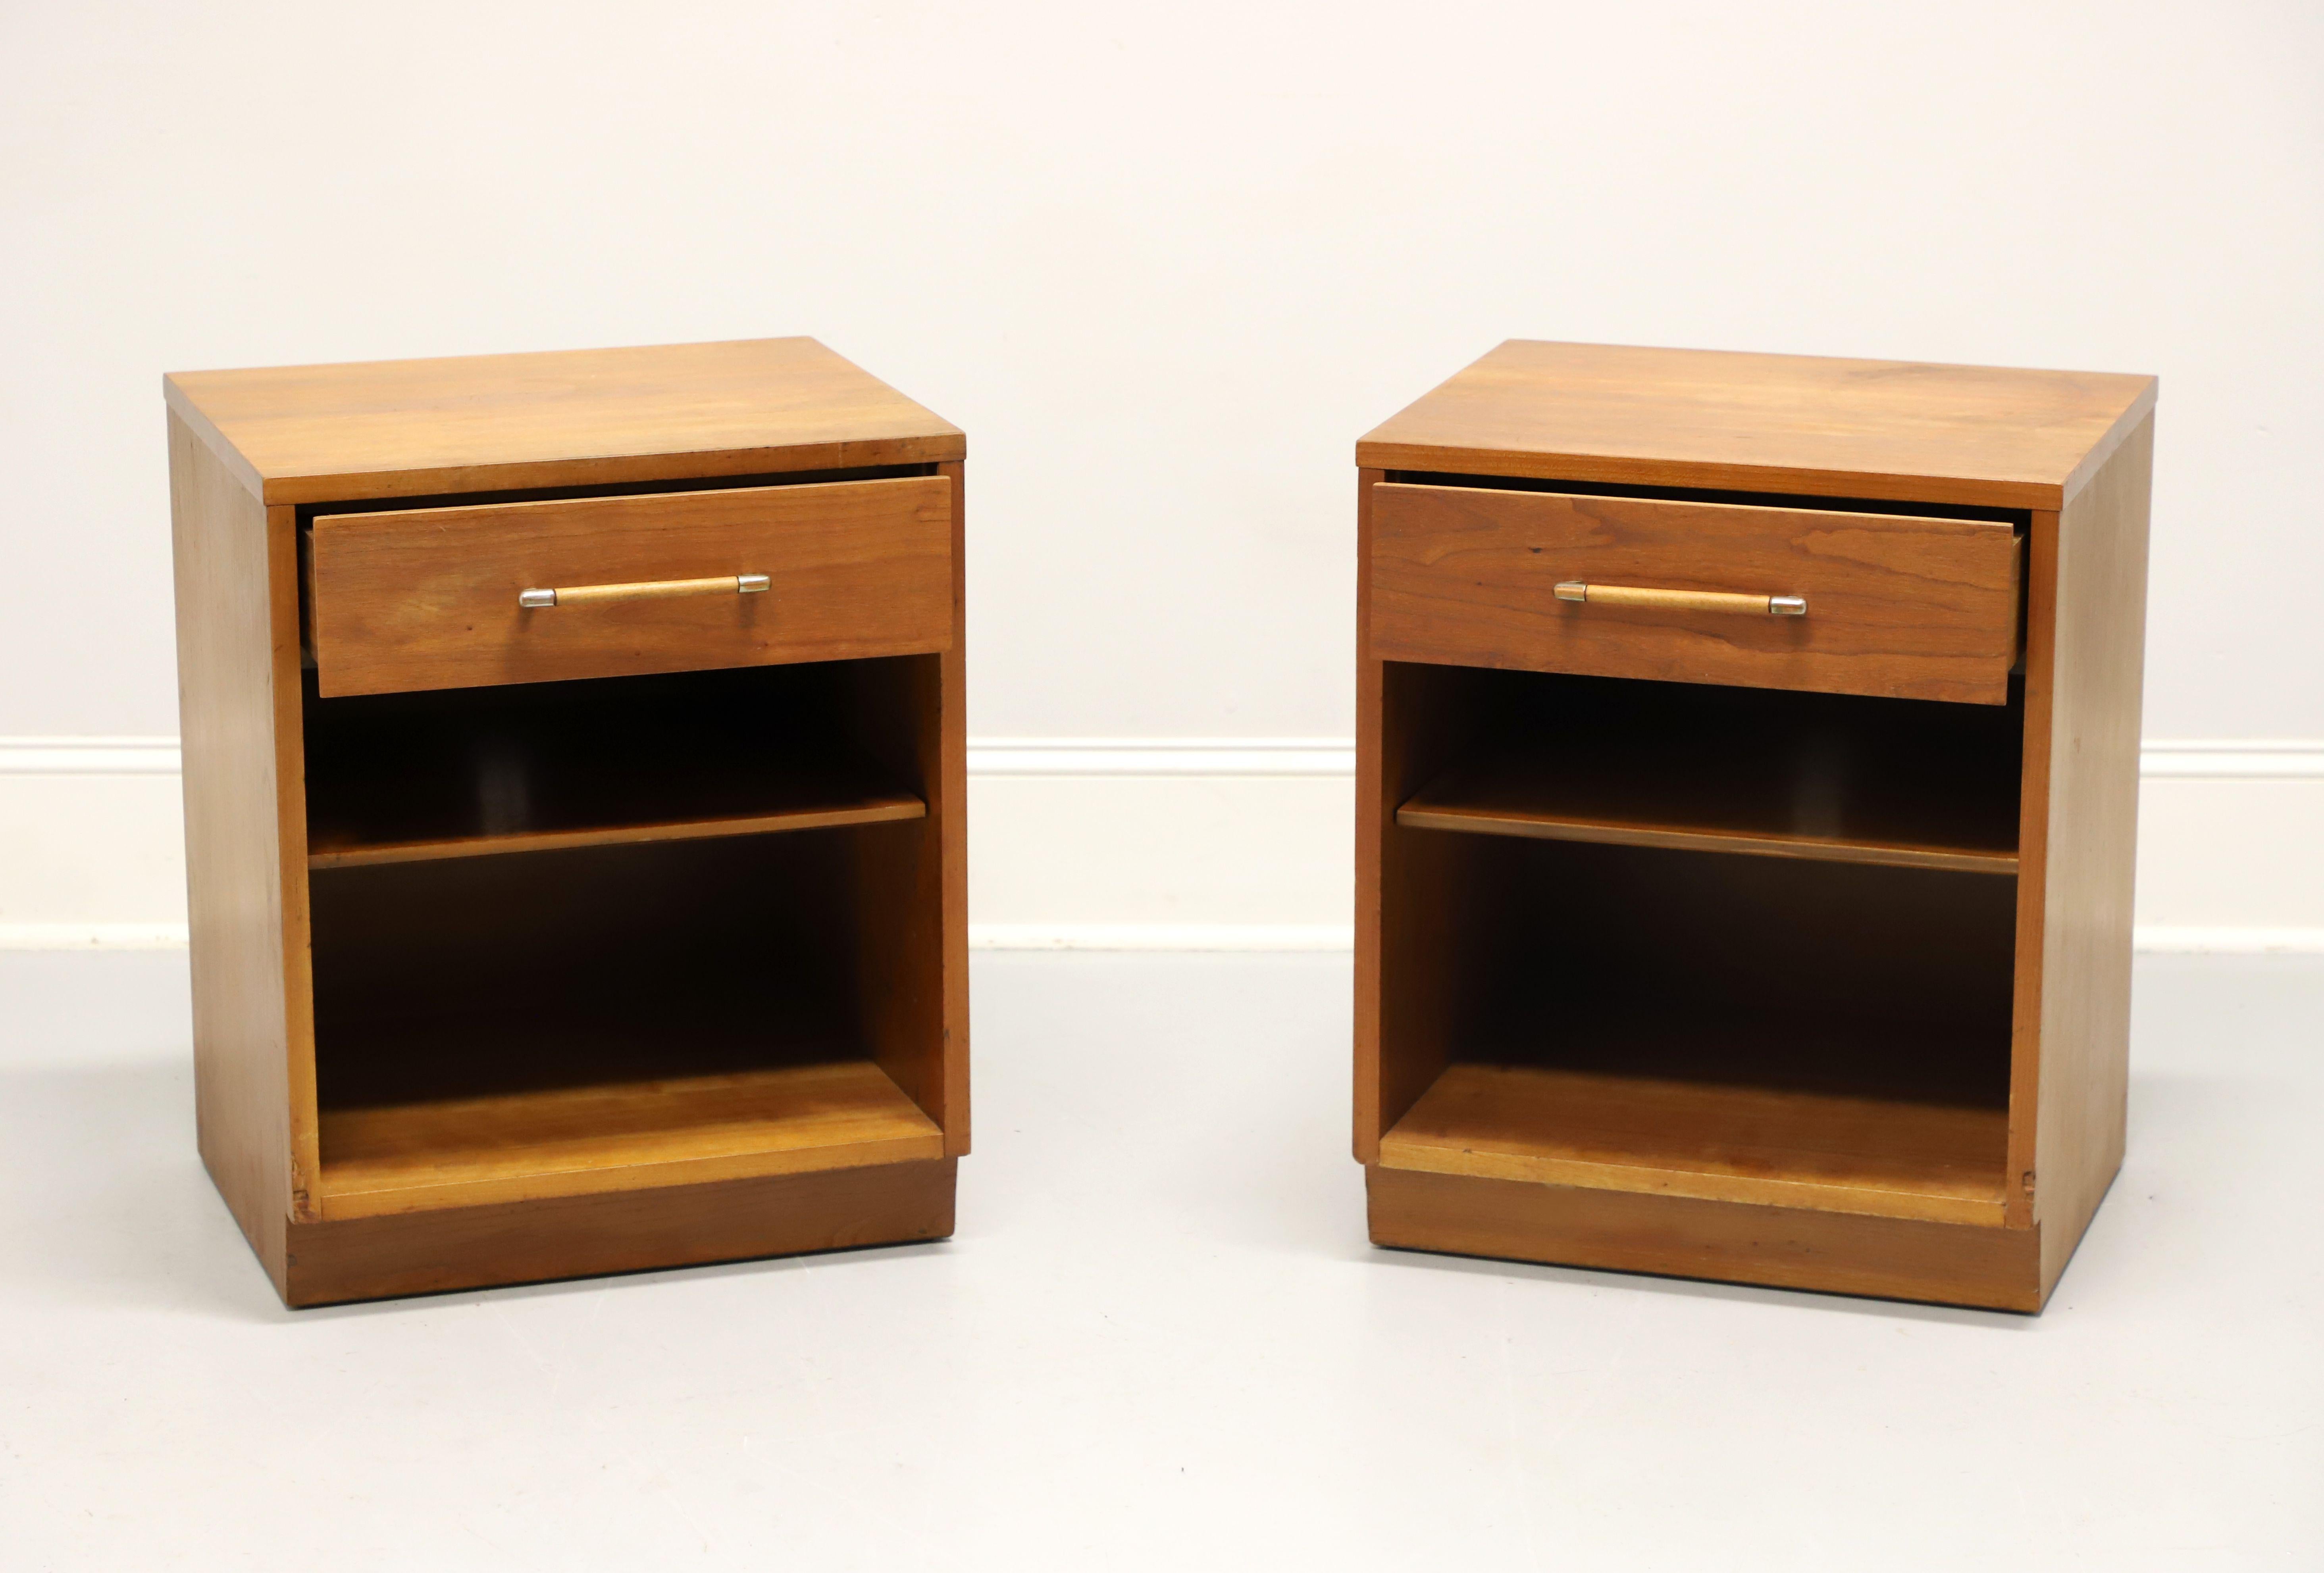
[[650, 590], [1683, 600]]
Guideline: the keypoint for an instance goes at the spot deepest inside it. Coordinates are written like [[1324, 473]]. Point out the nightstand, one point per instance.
[[1747, 763], [574, 796]]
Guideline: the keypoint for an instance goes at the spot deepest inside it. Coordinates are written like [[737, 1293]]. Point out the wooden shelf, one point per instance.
[[1902, 783], [836, 796], [1514, 797], [570, 1141], [1770, 1145], [471, 773]]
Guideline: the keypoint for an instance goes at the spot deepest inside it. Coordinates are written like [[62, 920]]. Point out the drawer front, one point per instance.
[[429, 598], [1903, 607]]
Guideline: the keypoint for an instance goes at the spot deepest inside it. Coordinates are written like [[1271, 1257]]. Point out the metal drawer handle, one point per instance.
[[1683, 600], [650, 590]]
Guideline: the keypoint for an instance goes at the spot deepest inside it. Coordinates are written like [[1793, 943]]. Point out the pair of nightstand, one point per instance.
[[1747, 779]]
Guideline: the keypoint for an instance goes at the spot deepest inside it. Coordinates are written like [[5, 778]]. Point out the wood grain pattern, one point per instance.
[[2097, 668], [237, 651], [489, 423], [1971, 434], [427, 598], [620, 1231], [1761, 772], [1789, 1248], [1901, 607], [1778, 1147], [570, 1141]]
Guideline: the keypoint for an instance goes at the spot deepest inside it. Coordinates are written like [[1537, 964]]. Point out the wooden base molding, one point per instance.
[[575, 1237], [1567, 1225]]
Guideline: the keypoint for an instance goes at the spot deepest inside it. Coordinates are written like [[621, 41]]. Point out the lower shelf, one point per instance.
[[570, 1141], [1783, 1147]]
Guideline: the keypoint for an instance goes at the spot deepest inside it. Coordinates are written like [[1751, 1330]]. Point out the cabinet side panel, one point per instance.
[[2098, 668], [1428, 899], [912, 877], [950, 811], [1403, 877], [287, 627], [227, 708], [2033, 864], [1374, 821]]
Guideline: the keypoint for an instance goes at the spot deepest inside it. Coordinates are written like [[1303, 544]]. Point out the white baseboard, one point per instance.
[[1161, 936], [92, 936], [92, 849], [1131, 843], [2243, 942]]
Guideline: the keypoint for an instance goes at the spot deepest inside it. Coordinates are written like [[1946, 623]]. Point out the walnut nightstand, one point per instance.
[[1748, 761], [574, 811]]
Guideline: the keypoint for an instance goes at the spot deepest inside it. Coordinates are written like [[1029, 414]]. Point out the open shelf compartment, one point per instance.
[[1630, 1012], [467, 772], [1776, 773], [631, 1010]]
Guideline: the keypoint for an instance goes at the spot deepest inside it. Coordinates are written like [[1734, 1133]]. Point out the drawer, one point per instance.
[[437, 597], [1906, 607]]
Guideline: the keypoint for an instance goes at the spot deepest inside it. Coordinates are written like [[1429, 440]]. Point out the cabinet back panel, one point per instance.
[[470, 976], [1841, 977], [440, 767], [1762, 971]]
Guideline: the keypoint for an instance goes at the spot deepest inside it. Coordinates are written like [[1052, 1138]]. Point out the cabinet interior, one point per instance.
[[1727, 943], [459, 772], [595, 935], [1771, 771]]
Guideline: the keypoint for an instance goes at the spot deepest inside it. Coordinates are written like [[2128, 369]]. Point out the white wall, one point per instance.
[[1164, 263]]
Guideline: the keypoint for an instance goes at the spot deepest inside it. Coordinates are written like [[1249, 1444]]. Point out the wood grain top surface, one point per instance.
[[481, 423], [1981, 435]]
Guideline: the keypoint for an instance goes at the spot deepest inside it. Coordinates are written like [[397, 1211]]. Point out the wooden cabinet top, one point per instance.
[[578, 418], [1987, 436]]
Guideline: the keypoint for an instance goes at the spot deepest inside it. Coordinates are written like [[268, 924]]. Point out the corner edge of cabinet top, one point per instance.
[[1717, 420], [559, 418]]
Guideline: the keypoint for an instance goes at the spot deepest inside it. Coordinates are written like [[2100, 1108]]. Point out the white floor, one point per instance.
[[1158, 1340]]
